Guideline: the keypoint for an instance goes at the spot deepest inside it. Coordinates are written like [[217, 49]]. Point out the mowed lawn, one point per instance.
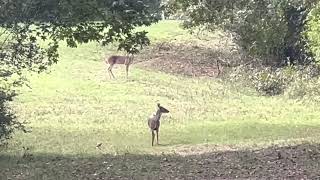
[[76, 106]]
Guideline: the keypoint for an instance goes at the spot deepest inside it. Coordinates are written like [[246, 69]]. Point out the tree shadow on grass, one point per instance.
[[289, 162]]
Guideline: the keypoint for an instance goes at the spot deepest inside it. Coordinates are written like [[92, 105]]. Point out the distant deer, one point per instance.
[[154, 122], [112, 60]]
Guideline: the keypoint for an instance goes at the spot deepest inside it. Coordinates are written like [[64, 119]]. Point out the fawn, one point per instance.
[[154, 122], [112, 60]]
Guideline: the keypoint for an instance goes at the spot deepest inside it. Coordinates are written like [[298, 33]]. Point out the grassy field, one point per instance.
[[76, 106]]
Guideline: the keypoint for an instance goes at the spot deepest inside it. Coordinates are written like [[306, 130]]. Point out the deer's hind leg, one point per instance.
[[110, 71]]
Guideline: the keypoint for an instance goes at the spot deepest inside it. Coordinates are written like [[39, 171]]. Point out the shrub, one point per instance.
[[265, 29], [312, 32], [272, 82], [8, 121], [296, 82], [306, 84]]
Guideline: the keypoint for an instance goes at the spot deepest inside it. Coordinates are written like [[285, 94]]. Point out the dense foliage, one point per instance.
[[268, 29], [313, 31], [24, 25]]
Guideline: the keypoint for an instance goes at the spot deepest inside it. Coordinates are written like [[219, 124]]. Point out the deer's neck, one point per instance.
[[158, 115]]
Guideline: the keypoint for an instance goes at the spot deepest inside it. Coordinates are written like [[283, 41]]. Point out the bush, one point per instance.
[[306, 84], [305, 89], [268, 29], [269, 81], [296, 82], [312, 32], [8, 121]]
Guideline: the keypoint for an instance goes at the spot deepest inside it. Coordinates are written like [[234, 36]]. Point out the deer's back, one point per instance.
[[117, 60]]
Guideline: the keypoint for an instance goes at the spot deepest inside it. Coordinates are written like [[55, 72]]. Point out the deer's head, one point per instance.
[[162, 109]]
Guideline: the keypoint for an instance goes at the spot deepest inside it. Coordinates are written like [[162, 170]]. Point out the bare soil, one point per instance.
[[186, 59], [289, 162]]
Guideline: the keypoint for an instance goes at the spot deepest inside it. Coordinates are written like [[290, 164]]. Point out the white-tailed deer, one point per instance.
[[112, 60], [154, 122]]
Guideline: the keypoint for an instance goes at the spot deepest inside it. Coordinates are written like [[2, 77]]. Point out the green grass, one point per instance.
[[76, 106], [167, 30]]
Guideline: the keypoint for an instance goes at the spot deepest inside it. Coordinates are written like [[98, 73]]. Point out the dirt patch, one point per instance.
[[191, 59], [291, 162], [287, 162]]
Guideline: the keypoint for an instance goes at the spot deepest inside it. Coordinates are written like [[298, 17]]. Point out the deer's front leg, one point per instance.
[[127, 69], [152, 137], [157, 132]]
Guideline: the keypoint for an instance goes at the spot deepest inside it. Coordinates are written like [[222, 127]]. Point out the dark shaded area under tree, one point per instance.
[[297, 162]]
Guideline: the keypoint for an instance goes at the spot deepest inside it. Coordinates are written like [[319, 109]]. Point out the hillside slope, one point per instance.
[[76, 106]]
